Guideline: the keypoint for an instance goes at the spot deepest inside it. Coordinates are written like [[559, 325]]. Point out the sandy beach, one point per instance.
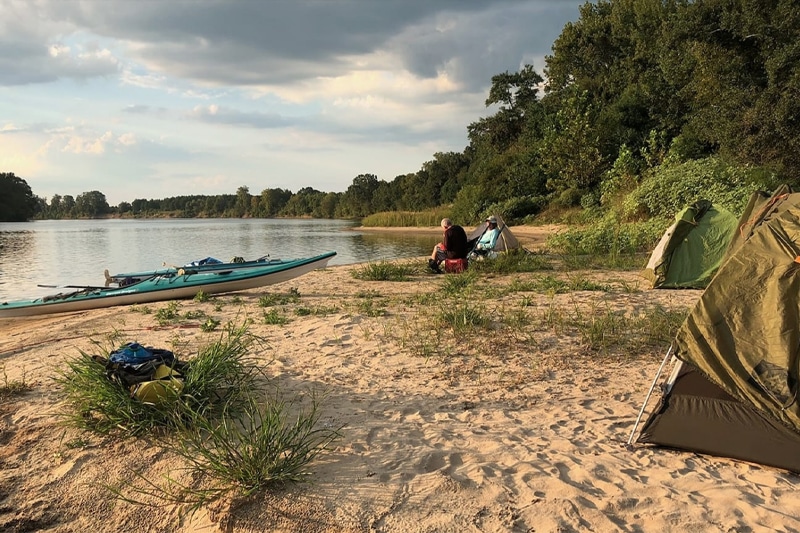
[[520, 429]]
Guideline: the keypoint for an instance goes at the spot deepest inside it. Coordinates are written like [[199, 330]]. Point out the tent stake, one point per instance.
[[649, 393]]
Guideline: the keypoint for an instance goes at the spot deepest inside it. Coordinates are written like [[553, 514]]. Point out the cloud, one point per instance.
[[213, 114], [216, 93], [38, 46], [223, 43], [81, 140]]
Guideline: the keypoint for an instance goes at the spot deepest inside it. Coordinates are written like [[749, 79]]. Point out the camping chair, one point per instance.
[[476, 253], [505, 241]]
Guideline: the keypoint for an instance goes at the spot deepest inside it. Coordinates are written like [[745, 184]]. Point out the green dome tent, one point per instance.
[[692, 248], [735, 391]]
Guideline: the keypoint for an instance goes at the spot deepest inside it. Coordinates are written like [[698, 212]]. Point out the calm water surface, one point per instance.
[[75, 252]]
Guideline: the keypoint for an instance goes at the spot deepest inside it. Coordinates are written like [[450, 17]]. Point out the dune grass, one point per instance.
[[232, 439], [385, 271], [513, 261], [265, 443], [12, 387], [272, 442], [218, 375]]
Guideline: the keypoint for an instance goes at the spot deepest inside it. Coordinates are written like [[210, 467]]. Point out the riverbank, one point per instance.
[[517, 426], [530, 237]]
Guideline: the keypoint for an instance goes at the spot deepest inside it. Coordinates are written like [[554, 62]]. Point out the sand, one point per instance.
[[439, 433]]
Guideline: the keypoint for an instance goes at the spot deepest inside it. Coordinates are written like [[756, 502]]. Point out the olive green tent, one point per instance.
[[735, 390], [691, 250]]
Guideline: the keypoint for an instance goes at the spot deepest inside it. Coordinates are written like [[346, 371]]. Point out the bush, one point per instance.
[[570, 197], [669, 188], [608, 236], [515, 210]]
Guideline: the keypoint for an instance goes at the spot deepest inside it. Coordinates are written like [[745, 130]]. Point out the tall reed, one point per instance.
[[405, 219]]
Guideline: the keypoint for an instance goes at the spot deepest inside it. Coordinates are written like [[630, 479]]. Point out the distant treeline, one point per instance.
[[633, 90]]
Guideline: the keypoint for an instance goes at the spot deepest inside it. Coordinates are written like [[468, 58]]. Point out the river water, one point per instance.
[[75, 252]]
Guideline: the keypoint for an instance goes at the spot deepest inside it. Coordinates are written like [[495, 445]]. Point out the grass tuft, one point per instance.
[[271, 299], [13, 387], [266, 444], [456, 284], [385, 271], [273, 317], [463, 317], [168, 314], [220, 375], [513, 261]]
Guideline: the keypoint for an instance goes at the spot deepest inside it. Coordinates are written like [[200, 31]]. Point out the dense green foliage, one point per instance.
[[669, 188], [17, 202], [633, 90]]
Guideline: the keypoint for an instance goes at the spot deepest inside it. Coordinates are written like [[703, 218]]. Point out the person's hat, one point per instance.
[[492, 219]]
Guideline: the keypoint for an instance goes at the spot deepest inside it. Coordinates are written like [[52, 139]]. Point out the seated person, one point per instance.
[[453, 245], [486, 243]]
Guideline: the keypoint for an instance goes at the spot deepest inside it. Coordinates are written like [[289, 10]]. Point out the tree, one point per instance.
[[55, 210], [242, 205], [357, 199], [274, 200], [17, 202], [327, 206], [442, 178], [569, 149], [745, 80], [68, 203], [91, 204], [303, 203], [385, 197]]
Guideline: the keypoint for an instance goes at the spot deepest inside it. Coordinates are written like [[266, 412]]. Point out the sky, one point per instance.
[[159, 98]]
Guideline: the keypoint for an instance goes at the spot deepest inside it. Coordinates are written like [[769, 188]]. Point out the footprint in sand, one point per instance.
[[438, 461]]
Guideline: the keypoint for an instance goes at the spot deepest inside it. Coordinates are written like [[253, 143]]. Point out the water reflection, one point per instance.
[[75, 252]]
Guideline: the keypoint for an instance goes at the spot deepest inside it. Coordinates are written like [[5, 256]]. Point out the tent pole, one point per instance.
[[649, 393]]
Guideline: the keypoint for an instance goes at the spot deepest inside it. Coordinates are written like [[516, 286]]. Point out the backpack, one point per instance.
[[150, 374]]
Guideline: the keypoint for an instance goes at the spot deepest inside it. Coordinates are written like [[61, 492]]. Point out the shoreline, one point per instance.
[[528, 236]]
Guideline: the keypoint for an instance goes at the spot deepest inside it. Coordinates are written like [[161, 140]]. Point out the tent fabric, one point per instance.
[[699, 416], [761, 208], [744, 332], [743, 338], [691, 250], [505, 241]]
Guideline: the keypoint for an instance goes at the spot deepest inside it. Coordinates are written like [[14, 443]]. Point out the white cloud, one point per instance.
[[290, 90], [57, 50], [127, 139]]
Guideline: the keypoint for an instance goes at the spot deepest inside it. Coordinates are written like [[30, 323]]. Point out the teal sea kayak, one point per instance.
[[170, 286], [209, 264]]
